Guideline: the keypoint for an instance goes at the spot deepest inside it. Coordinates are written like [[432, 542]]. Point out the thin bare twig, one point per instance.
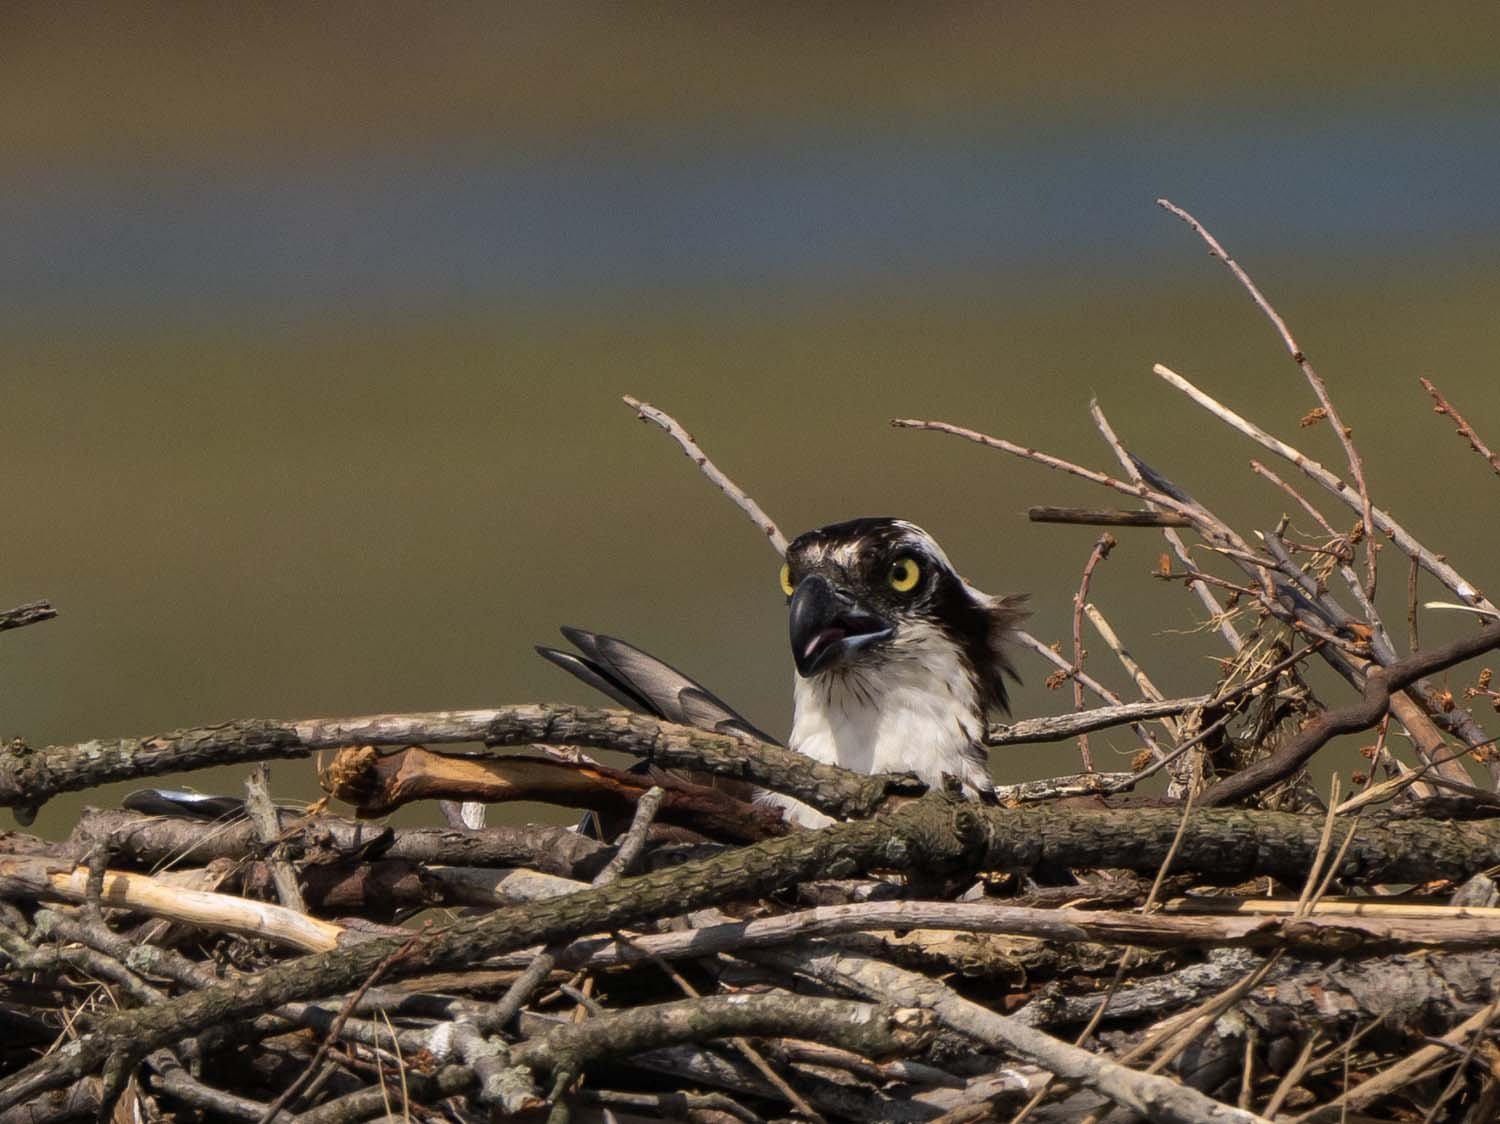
[[1047, 653], [1465, 430], [1216, 612], [1104, 517], [1099, 553], [649, 412], [1356, 466]]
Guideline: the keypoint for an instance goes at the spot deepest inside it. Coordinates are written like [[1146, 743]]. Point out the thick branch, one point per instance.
[[150, 840], [868, 1030], [30, 777]]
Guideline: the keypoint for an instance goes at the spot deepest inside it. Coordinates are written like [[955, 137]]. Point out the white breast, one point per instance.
[[914, 710]]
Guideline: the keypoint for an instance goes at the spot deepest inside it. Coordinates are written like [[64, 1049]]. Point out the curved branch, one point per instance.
[[1379, 684]]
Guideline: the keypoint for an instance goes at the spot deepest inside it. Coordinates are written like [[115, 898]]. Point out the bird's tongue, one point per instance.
[[822, 640]]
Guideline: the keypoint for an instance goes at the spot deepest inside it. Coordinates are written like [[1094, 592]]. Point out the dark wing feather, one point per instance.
[[641, 682]]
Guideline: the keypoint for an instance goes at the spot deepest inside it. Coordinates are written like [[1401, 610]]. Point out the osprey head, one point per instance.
[[871, 592]]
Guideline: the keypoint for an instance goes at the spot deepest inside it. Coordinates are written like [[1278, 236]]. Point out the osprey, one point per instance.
[[899, 661]]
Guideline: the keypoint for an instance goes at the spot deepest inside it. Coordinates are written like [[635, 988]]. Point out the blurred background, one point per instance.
[[314, 323]]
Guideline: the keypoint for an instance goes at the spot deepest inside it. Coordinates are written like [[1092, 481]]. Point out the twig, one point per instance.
[[1102, 547], [1216, 612], [1127, 661], [1026, 639], [648, 412], [1413, 640], [1100, 517], [1292, 1077], [634, 840], [268, 828], [743, 1045], [1465, 430], [1140, 491], [1356, 466], [33, 612], [1383, 521]]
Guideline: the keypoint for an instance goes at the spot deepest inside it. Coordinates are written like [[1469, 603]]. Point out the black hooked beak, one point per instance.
[[828, 626]]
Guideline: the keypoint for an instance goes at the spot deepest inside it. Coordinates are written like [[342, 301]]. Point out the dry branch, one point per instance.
[[33, 612], [648, 412], [1466, 431], [1356, 466], [1101, 517]]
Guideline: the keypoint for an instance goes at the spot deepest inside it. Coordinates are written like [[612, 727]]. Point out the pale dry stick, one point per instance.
[[1356, 466], [1394, 1077], [1174, 1044], [1128, 662], [48, 878], [1247, 1067], [1403, 539], [1026, 639], [1465, 430], [1105, 543], [648, 412], [1301, 500], [1217, 614]]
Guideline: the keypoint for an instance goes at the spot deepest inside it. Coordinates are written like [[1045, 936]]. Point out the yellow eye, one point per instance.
[[786, 580], [904, 575]]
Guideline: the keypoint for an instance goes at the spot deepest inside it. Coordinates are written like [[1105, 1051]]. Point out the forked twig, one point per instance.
[[1383, 521], [1356, 466], [1216, 612], [648, 412]]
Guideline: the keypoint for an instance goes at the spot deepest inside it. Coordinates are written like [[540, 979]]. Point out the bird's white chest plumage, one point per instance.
[[914, 711]]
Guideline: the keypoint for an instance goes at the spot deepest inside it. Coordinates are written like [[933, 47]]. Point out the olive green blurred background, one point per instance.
[[314, 323]]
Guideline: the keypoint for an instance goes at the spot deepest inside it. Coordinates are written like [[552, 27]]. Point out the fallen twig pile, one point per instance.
[[1239, 949]]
